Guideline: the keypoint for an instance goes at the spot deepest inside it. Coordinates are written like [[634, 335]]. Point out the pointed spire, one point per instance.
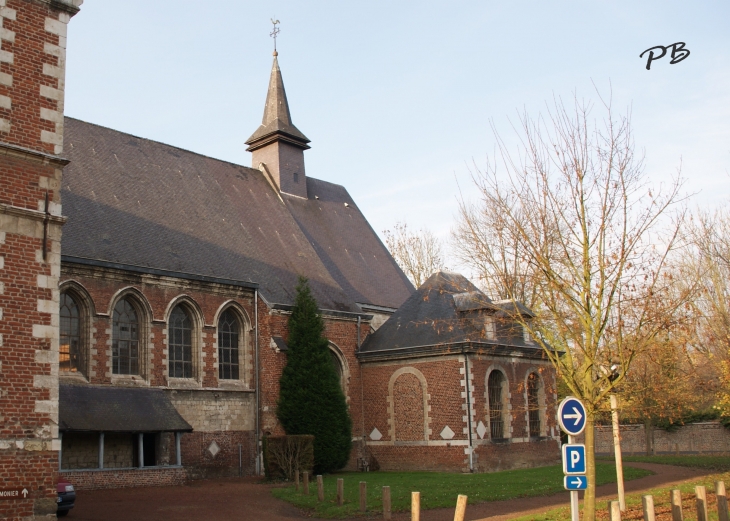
[[276, 124]]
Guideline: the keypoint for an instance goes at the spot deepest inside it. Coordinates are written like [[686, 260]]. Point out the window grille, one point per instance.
[[496, 406], [533, 404], [125, 339], [71, 355], [228, 332], [180, 344]]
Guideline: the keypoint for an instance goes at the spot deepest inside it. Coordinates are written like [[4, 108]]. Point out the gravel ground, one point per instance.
[[247, 499]]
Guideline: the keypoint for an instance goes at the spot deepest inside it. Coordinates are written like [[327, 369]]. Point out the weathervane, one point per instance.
[[275, 32]]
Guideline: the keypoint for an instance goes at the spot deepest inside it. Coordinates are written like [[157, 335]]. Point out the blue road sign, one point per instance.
[[572, 416], [575, 482], [574, 459]]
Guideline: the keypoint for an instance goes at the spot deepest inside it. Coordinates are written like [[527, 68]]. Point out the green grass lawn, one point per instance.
[[716, 463], [662, 503], [438, 489]]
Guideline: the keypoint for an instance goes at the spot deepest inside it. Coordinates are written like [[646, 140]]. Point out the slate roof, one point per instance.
[[138, 202], [445, 311], [117, 409]]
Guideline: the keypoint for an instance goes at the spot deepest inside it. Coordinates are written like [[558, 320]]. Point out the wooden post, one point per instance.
[[415, 506], [460, 508], [677, 505], [614, 511], [340, 491], [648, 503], [722, 510], [701, 503], [296, 480], [306, 483], [320, 487], [617, 453], [386, 502], [363, 496]]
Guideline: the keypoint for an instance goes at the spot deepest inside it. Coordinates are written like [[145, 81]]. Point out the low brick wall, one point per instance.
[[101, 479], [694, 438]]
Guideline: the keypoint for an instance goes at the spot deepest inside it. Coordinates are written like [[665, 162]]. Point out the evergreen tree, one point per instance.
[[311, 400]]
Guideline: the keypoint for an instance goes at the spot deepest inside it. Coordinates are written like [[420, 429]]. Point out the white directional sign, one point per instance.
[[572, 416], [575, 483], [574, 459], [13, 493]]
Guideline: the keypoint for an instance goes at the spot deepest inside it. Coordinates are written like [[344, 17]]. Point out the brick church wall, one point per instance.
[[32, 68]]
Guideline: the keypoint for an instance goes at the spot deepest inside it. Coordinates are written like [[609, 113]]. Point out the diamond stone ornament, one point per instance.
[[213, 448], [376, 435], [447, 433], [481, 430]]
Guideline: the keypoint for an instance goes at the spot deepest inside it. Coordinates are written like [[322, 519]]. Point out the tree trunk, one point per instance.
[[589, 500], [649, 436]]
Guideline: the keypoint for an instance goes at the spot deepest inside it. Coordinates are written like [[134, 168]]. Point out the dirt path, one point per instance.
[[246, 499]]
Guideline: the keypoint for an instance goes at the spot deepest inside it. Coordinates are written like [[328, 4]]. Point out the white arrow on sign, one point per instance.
[[25, 493], [577, 481], [577, 416]]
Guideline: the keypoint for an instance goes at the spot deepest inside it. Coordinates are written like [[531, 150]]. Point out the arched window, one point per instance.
[[533, 404], [229, 330], [337, 364], [496, 404], [71, 350], [125, 339], [180, 344]]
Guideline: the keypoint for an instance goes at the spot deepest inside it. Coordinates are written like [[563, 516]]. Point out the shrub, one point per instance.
[[284, 455]]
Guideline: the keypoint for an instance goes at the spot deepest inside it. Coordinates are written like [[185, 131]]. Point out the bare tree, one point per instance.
[[573, 207], [419, 254]]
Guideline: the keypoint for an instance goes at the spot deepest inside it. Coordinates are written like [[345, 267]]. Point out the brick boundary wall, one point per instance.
[[694, 438], [103, 479]]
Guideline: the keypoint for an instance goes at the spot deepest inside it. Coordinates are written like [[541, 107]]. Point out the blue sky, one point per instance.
[[397, 97]]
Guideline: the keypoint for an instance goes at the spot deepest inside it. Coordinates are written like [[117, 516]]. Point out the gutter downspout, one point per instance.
[[362, 392], [468, 410], [256, 379]]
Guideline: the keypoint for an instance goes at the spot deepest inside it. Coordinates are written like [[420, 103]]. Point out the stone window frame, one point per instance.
[[87, 311], [144, 318], [245, 350], [345, 381], [506, 402], [541, 403], [427, 431], [197, 342]]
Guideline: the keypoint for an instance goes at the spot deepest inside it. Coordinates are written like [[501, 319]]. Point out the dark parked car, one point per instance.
[[66, 497]]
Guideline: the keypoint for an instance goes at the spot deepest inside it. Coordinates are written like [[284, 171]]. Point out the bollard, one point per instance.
[[386, 502], [306, 483], [460, 508], [363, 496], [415, 506], [296, 480], [340, 491], [701, 503], [320, 488], [676, 497], [614, 511], [647, 502], [722, 511]]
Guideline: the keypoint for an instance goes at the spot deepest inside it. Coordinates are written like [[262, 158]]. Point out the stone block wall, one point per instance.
[[693, 438]]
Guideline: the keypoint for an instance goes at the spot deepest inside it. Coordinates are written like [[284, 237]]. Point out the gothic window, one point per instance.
[[71, 350], [533, 404], [180, 344], [229, 330], [337, 364], [496, 404], [125, 339]]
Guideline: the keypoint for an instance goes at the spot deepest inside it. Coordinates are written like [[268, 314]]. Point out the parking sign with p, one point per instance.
[[574, 459]]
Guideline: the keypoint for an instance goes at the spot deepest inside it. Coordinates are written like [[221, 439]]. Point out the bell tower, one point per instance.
[[277, 145]]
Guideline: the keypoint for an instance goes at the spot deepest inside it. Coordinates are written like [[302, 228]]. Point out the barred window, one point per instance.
[[180, 344], [496, 406], [125, 339], [228, 337], [71, 350], [533, 404]]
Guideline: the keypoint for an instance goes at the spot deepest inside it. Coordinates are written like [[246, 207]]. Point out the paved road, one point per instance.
[[245, 499]]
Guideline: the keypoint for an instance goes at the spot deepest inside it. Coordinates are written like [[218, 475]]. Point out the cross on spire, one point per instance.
[[274, 33]]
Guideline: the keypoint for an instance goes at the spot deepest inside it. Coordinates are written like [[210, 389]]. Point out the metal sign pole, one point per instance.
[[574, 506]]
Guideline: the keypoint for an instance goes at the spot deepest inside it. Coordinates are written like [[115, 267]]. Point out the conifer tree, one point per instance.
[[311, 400]]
